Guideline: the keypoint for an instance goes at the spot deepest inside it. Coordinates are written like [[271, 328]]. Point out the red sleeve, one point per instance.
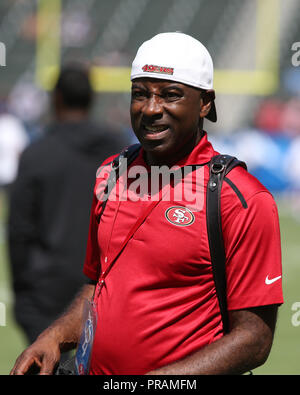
[[91, 266], [92, 263], [253, 251]]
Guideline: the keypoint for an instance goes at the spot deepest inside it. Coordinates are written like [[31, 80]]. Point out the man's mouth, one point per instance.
[[155, 129]]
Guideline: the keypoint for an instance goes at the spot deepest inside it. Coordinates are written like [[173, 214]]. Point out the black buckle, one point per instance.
[[217, 168]]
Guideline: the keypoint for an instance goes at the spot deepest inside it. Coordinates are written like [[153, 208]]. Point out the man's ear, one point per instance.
[[207, 98]]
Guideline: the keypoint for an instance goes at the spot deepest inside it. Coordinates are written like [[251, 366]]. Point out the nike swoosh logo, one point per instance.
[[269, 281]]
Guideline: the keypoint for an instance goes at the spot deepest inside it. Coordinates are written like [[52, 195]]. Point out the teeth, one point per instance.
[[156, 128]]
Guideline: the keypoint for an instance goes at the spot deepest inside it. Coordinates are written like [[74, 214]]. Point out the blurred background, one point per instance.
[[257, 80]]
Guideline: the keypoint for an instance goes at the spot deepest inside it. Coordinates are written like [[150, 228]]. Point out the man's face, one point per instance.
[[165, 118]]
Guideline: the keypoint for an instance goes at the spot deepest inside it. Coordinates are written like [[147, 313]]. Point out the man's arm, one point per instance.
[[62, 335], [245, 347]]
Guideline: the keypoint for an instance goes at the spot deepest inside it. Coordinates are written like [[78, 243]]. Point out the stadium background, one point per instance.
[[258, 103]]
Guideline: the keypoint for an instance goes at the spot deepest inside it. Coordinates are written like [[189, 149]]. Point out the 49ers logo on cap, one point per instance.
[[157, 69], [180, 216]]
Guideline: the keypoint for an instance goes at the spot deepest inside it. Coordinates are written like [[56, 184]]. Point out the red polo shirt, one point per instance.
[[158, 302]]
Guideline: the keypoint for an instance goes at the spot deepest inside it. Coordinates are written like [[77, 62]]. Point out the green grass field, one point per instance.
[[285, 355]]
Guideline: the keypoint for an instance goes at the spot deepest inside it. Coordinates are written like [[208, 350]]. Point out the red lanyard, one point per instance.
[[133, 229]]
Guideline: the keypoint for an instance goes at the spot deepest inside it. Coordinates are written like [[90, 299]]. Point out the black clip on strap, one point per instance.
[[219, 167], [118, 166]]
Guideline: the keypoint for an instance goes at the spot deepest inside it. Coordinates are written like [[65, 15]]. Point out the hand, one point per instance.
[[62, 335], [40, 358]]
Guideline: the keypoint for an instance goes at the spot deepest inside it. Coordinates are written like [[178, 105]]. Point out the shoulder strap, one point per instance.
[[118, 167], [130, 153], [220, 165]]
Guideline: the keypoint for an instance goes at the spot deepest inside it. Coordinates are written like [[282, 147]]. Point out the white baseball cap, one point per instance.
[[176, 57]]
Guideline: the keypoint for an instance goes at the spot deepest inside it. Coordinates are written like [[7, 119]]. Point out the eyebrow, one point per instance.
[[173, 86], [136, 85], [140, 85]]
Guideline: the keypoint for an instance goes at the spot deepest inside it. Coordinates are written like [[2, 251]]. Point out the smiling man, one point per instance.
[[165, 118], [149, 261]]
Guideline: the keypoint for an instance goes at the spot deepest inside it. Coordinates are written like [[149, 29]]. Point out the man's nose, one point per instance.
[[153, 106]]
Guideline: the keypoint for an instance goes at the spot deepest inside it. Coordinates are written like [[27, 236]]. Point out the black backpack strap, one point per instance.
[[130, 153], [118, 166], [220, 165]]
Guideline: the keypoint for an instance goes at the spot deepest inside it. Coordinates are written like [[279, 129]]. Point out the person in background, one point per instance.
[[50, 203]]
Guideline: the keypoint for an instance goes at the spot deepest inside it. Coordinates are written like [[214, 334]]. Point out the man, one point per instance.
[[150, 273], [50, 202]]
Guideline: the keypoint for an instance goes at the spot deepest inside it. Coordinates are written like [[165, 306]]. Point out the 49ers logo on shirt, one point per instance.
[[180, 216]]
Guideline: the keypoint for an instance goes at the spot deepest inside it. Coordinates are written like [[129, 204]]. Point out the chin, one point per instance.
[[158, 155]]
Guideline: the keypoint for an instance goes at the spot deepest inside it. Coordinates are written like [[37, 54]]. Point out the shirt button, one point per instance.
[[105, 259]]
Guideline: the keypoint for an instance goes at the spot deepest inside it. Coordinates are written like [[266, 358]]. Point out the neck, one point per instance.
[[71, 115], [161, 160]]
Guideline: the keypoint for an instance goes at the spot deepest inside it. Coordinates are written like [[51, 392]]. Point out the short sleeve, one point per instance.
[[253, 252], [91, 266], [92, 263]]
